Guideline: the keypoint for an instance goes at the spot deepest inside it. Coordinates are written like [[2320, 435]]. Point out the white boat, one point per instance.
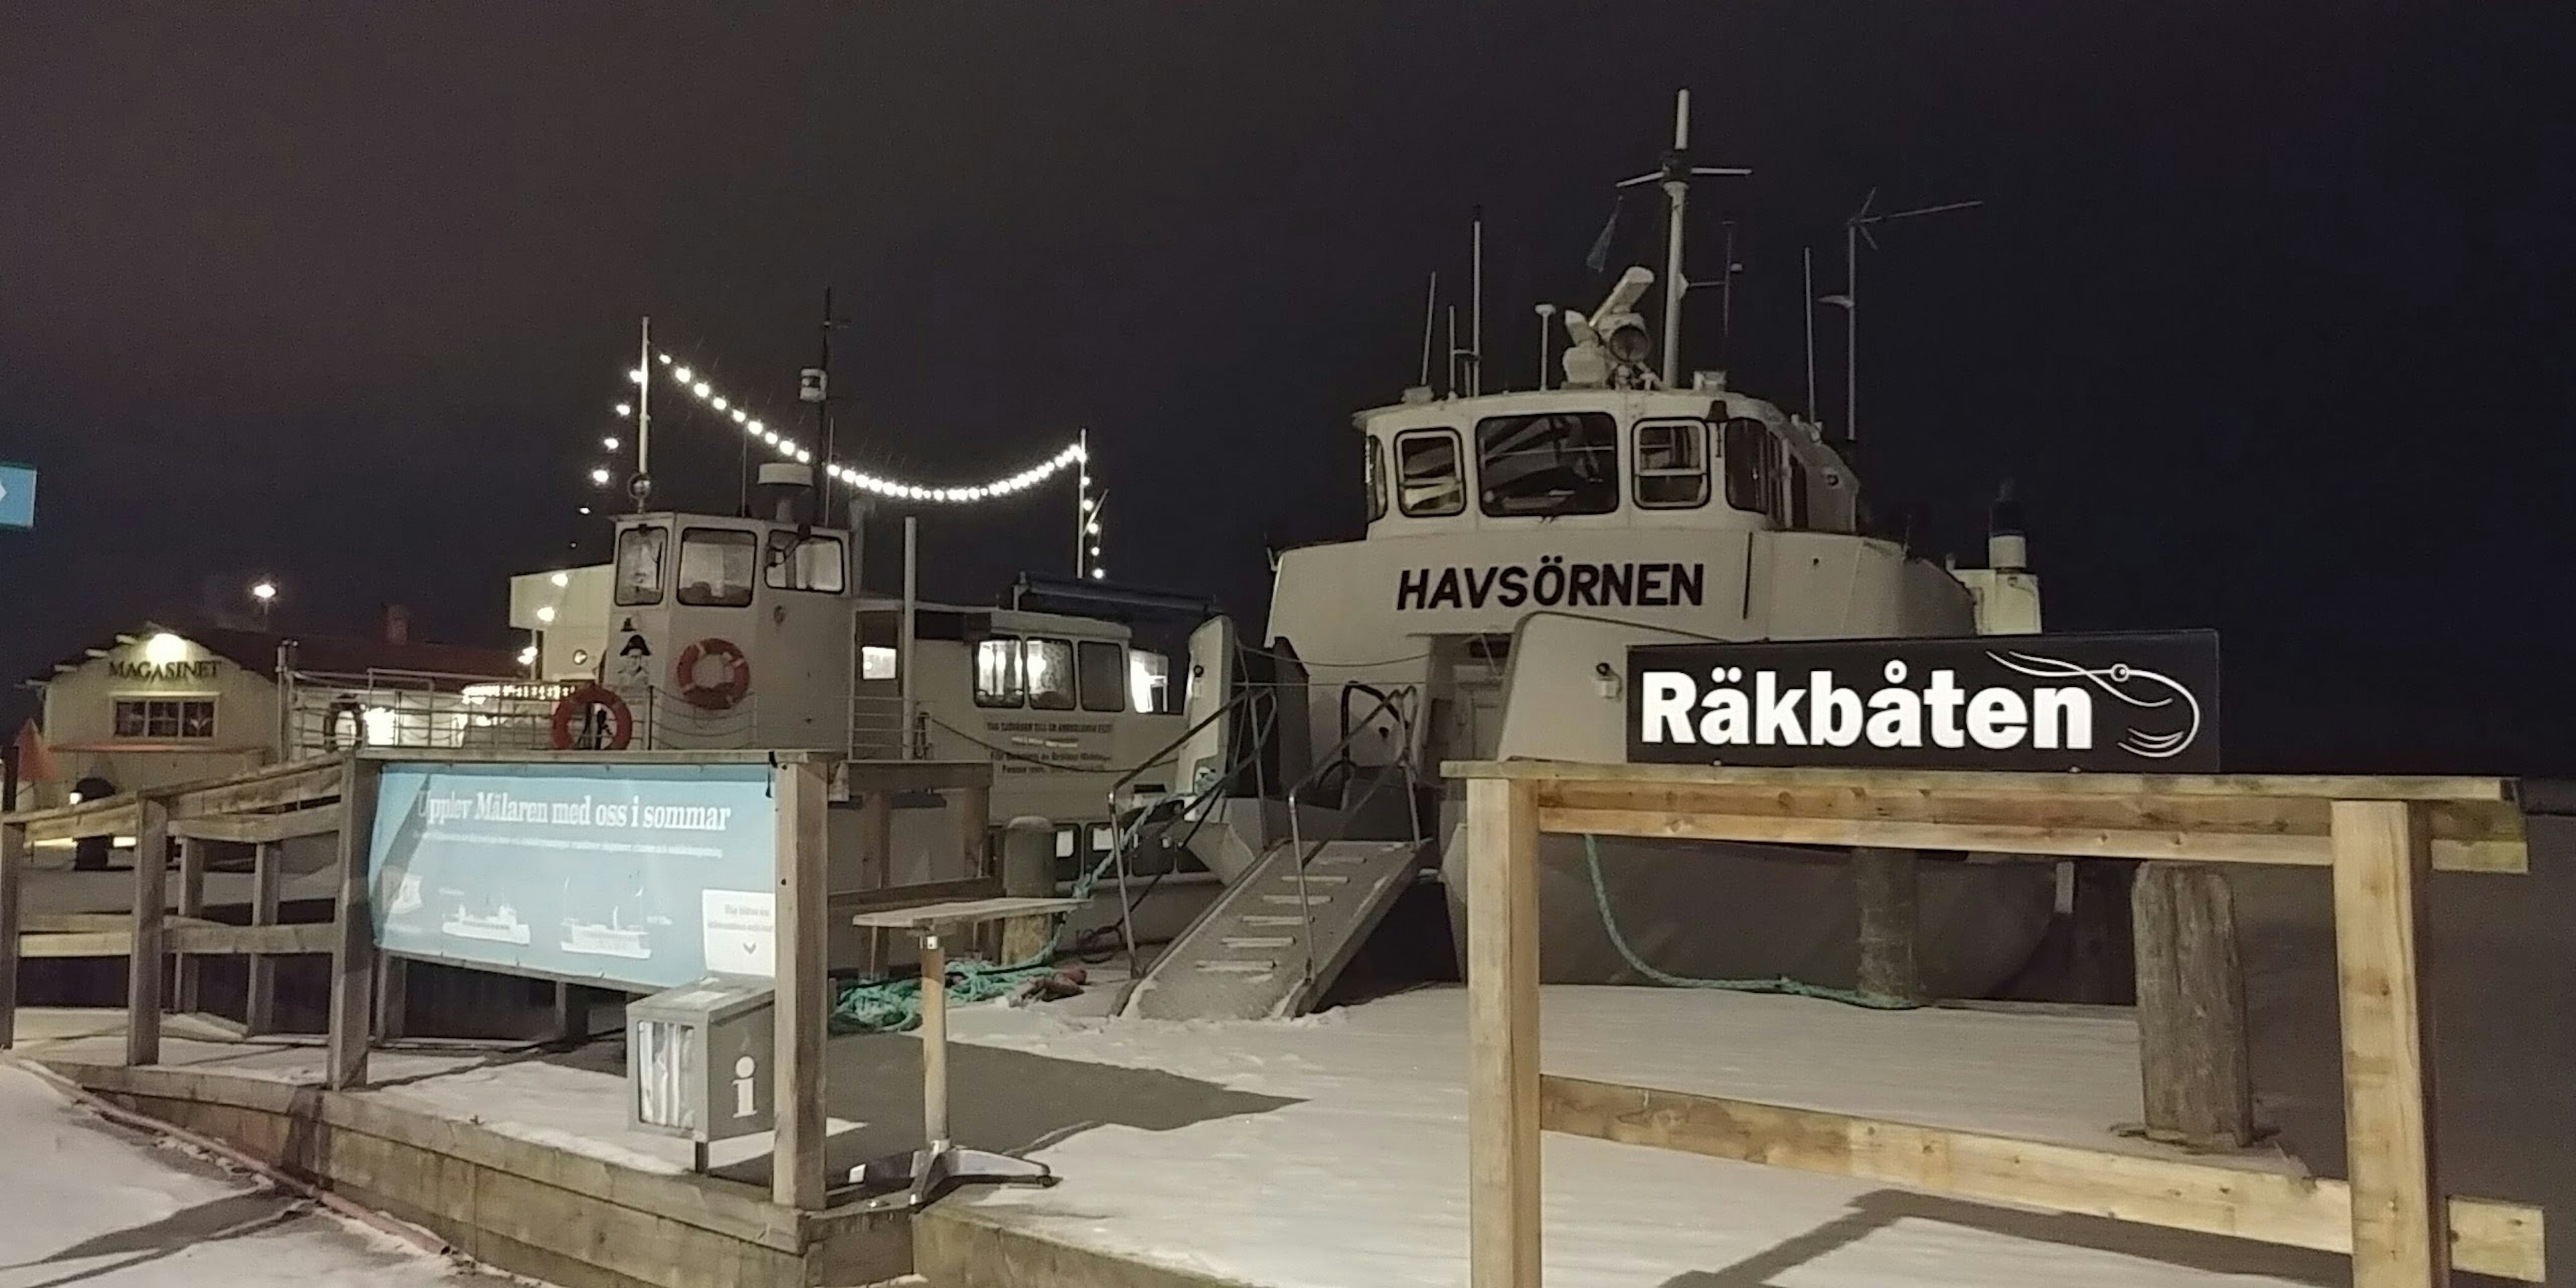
[[606, 941], [1517, 543], [500, 926]]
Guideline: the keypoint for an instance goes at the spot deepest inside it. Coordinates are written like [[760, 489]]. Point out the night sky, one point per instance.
[[2271, 312]]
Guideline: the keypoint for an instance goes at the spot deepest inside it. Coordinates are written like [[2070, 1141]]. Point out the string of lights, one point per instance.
[[789, 449]]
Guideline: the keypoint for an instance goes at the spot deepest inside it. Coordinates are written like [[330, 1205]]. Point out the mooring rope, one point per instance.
[[1781, 985]]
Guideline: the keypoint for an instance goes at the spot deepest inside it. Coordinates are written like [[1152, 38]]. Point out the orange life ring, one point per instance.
[[572, 713], [712, 697]]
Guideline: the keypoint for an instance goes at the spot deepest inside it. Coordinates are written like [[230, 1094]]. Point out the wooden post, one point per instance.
[[267, 882], [143, 968], [1028, 872], [571, 1012], [393, 997], [13, 865], [1502, 1035], [876, 861], [2193, 1063], [2382, 865], [974, 820], [353, 947], [1883, 882], [192, 903], [803, 1001]]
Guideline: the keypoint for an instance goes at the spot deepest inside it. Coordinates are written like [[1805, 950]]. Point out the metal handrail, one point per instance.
[[1119, 840], [1296, 833]]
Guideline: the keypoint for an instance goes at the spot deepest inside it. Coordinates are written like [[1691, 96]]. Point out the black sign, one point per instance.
[[2143, 702]]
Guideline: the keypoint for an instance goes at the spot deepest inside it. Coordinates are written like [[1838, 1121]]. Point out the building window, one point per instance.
[[715, 567], [1104, 675], [997, 673], [639, 563], [1672, 464], [1050, 674], [1748, 465], [1426, 465], [1375, 468], [166, 719], [803, 563], [1550, 464]]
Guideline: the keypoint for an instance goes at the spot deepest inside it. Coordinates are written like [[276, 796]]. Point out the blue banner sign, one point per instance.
[[648, 876], [17, 496]]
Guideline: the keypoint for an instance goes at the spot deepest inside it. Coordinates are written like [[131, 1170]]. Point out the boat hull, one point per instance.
[[1709, 910]]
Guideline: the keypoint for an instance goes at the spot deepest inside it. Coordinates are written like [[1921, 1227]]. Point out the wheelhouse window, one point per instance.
[[1149, 682], [1748, 465], [167, 719], [715, 567], [1374, 468], [1550, 464], [803, 563], [1104, 675], [1672, 464], [639, 563], [998, 680], [1050, 674], [1428, 471]]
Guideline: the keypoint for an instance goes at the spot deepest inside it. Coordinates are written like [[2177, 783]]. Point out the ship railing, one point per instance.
[[1194, 796], [323, 713], [1401, 767]]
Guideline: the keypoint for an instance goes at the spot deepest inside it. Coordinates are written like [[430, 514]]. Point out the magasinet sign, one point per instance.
[[2143, 702]]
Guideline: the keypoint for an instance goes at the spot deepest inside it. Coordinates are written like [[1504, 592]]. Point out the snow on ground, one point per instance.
[[1361, 1179], [83, 1201]]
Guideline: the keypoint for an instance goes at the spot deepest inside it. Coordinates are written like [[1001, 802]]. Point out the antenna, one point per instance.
[[1807, 283], [1675, 177], [1430, 318], [1856, 231], [1476, 309], [1546, 316]]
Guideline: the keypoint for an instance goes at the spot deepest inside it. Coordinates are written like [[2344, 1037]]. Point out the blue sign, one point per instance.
[[17, 495], [643, 875]]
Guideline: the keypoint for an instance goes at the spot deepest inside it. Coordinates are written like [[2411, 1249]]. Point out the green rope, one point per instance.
[[1783, 984], [894, 1005]]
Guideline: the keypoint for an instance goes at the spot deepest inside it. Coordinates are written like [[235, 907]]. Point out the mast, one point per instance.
[[1476, 309], [643, 411], [1674, 177], [1677, 197], [1807, 288], [1855, 231]]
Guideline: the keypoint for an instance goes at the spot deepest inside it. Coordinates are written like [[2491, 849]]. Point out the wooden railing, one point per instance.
[[2381, 838]]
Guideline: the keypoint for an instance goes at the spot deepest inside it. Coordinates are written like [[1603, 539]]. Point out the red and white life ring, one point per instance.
[[712, 697], [572, 719]]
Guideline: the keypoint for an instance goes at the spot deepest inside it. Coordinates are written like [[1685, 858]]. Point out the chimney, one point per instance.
[[397, 624]]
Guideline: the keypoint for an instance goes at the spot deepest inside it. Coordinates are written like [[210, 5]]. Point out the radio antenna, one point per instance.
[[1855, 231]]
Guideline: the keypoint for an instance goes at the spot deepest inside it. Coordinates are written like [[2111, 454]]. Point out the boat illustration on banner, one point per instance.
[[502, 925], [606, 941], [406, 896]]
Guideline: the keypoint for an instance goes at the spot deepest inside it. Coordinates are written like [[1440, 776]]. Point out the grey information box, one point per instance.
[[698, 1057]]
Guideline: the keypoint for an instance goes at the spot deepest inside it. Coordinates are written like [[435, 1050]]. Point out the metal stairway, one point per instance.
[[1248, 958]]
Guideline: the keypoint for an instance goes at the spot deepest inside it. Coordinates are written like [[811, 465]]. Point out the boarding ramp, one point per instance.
[[1273, 944]]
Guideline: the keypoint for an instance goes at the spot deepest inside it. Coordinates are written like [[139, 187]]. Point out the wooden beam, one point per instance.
[[2329, 787], [207, 940], [276, 787], [1884, 890], [1502, 1036], [251, 829], [143, 965], [2182, 845], [2381, 871], [2192, 1049], [13, 911], [267, 882], [2489, 1237], [353, 947], [802, 1001], [113, 817], [192, 906]]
